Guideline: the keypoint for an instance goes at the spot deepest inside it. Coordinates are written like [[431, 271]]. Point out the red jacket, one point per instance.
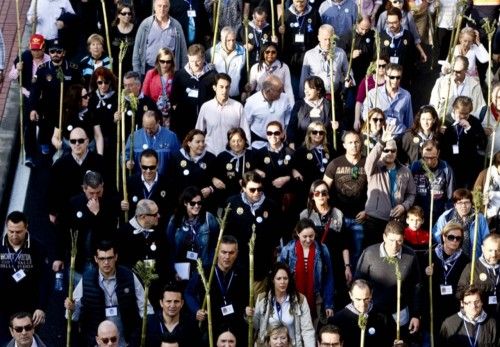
[[152, 85]]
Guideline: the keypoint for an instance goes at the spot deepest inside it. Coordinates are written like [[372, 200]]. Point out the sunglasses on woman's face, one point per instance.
[[317, 132], [319, 193], [194, 203]]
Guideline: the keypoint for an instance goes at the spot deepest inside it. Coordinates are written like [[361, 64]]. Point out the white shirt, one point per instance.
[[47, 12]]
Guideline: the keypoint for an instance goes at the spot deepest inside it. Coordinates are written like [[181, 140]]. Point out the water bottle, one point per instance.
[[58, 283]]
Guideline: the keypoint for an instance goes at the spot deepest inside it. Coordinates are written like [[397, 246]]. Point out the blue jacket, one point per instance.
[[483, 230], [323, 271]]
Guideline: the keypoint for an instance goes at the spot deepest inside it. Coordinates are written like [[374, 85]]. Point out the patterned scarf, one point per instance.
[[102, 98], [236, 159], [451, 259], [304, 279], [466, 224], [256, 205]]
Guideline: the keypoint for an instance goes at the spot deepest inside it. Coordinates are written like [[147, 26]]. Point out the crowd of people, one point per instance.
[[272, 150]]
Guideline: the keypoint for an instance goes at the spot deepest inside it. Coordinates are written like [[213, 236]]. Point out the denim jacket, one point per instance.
[[179, 239], [323, 271]]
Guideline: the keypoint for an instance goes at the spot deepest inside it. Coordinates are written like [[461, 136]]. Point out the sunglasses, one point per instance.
[[126, 13], [148, 167], [318, 193], [273, 133], [270, 52], [355, 173], [75, 141], [28, 327], [382, 66], [105, 259], [389, 151], [317, 132], [107, 340], [152, 214], [169, 61], [101, 82], [376, 120], [86, 96], [394, 77], [258, 189], [454, 238], [55, 50], [194, 203]]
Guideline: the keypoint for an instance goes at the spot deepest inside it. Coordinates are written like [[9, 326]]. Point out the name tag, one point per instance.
[[446, 290], [19, 275], [191, 255], [455, 149], [492, 300], [193, 93], [191, 13], [299, 38], [394, 60], [226, 310], [111, 311]]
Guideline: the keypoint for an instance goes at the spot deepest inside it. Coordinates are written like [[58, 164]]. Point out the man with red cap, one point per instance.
[[31, 59]]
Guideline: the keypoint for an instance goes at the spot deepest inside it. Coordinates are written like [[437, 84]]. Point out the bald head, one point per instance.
[[79, 141], [107, 334], [147, 213]]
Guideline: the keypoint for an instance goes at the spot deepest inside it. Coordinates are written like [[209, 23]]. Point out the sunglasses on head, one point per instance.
[[148, 167], [389, 150], [55, 50], [107, 340], [317, 132], [454, 238], [28, 327], [194, 203], [101, 82], [318, 193], [258, 189], [168, 61], [75, 141], [273, 133]]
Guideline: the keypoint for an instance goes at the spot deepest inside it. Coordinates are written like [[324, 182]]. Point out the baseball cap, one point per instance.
[[37, 41]]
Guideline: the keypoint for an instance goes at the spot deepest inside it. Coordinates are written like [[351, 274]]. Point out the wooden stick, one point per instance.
[[395, 261], [362, 323], [486, 189], [273, 29], [283, 25], [106, 29], [490, 29], [217, 6], [134, 102], [377, 47], [123, 144], [35, 16], [74, 250], [247, 52], [206, 285], [121, 124], [222, 223], [21, 97], [331, 58], [145, 270], [477, 198], [251, 248]]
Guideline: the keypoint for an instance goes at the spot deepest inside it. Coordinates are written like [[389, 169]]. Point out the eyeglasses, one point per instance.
[[317, 132], [318, 193], [429, 158], [169, 61], [194, 203], [355, 172], [376, 120], [463, 203], [389, 150], [26, 328], [454, 238], [101, 82], [273, 133], [270, 52], [382, 66], [107, 340], [475, 303], [55, 50], [105, 259], [258, 189], [394, 77], [75, 141], [126, 13], [148, 167], [86, 96]]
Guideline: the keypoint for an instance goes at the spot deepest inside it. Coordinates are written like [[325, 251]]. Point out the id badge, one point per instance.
[[193, 93], [19, 275], [394, 60], [111, 311], [191, 255], [492, 300], [446, 289], [227, 310], [455, 149], [299, 38], [191, 13]]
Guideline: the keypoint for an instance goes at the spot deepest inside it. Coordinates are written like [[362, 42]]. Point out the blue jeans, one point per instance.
[[356, 230]]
